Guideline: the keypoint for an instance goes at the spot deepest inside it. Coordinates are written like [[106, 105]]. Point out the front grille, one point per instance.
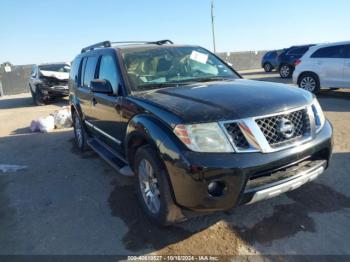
[[237, 136], [270, 126]]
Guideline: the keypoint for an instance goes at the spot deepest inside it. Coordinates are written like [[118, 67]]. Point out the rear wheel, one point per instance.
[[285, 71], [153, 188], [309, 82], [79, 133], [267, 67]]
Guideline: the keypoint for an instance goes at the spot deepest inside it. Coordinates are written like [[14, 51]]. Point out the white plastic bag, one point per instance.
[[44, 124], [63, 118]]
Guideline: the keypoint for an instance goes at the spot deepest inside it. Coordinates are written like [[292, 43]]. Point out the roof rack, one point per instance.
[[109, 44]]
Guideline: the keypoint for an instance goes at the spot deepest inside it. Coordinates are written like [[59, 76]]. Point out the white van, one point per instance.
[[324, 66]]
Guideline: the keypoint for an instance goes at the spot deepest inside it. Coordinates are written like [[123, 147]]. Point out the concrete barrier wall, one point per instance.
[[16, 81], [243, 60]]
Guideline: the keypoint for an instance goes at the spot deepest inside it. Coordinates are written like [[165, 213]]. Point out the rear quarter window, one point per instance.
[[329, 52], [89, 70], [73, 76]]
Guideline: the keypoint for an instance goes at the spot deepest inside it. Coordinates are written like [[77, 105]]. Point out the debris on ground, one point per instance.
[[61, 118]]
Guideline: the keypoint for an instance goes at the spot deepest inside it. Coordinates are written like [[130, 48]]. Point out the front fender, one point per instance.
[[157, 134], [170, 149]]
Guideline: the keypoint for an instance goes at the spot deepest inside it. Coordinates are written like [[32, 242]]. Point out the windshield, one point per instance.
[[150, 68], [64, 68]]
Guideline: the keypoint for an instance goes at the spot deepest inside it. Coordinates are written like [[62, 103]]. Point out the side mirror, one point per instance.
[[101, 86]]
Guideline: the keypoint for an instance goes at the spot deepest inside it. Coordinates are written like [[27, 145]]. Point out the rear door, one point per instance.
[[105, 115], [87, 73], [329, 62]]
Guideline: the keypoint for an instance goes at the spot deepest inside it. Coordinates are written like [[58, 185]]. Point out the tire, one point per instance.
[[286, 71], [38, 97], [79, 133], [309, 82], [268, 67], [153, 189]]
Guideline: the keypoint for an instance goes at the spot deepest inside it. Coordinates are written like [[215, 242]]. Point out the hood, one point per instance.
[[57, 75], [227, 100]]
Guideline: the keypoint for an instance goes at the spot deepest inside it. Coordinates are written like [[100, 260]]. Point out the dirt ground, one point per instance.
[[65, 202]]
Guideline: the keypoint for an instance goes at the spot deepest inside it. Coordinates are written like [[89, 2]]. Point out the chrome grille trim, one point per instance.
[[256, 138]]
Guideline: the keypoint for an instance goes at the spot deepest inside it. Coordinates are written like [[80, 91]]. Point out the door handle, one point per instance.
[[93, 101]]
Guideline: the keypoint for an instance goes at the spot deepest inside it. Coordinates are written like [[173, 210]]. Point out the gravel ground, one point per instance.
[[65, 202]]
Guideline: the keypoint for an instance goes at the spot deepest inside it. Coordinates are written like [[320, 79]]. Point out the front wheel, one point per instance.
[[310, 83], [285, 71], [38, 97], [153, 189]]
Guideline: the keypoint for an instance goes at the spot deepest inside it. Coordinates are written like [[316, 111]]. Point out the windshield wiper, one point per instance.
[[157, 85], [214, 78]]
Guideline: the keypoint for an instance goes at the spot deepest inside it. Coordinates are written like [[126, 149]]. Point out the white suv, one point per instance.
[[324, 66]]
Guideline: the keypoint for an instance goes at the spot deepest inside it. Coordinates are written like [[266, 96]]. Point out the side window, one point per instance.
[[33, 71], [347, 51], [81, 71], [108, 71], [73, 76], [90, 69], [329, 52], [298, 51]]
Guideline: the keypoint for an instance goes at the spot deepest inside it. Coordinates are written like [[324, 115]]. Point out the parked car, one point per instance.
[[269, 60], [49, 81], [286, 60], [195, 134], [324, 66]]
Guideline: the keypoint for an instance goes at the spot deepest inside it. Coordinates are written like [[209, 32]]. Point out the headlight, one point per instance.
[[208, 138], [318, 114]]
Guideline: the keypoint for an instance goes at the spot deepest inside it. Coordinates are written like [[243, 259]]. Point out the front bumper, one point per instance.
[[60, 90], [279, 172]]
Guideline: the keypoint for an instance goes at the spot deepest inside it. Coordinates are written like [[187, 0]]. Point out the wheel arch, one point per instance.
[[147, 129]]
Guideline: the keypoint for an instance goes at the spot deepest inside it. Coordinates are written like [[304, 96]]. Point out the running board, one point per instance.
[[107, 154]]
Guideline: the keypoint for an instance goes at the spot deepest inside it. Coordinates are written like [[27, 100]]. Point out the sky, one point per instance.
[[49, 31]]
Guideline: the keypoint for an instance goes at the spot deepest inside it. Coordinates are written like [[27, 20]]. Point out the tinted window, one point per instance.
[[74, 70], [90, 69], [329, 52], [347, 51], [149, 68], [298, 51], [63, 68], [108, 71], [33, 71]]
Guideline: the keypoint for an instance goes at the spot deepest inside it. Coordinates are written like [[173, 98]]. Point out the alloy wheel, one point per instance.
[[78, 131], [285, 71], [149, 186], [267, 67], [308, 83]]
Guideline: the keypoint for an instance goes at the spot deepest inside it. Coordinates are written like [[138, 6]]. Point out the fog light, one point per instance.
[[216, 188]]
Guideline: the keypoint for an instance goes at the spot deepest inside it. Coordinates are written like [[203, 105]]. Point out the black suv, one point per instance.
[[269, 60], [286, 60], [49, 81], [196, 135]]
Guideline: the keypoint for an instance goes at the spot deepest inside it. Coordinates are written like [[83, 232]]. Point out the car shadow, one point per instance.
[[13, 102], [245, 225]]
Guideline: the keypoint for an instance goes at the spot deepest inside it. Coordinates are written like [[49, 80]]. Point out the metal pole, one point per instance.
[[212, 24]]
